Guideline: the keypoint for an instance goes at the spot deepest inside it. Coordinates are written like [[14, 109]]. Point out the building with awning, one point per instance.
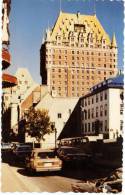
[[8, 80], [5, 58]]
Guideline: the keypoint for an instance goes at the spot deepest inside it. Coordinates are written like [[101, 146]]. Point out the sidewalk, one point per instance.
[[10, 181]]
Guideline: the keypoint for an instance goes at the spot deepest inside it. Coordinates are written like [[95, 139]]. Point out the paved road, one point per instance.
[[15, 179]]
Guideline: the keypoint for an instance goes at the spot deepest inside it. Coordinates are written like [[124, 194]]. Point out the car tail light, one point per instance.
[[40, 164], [57, 163]]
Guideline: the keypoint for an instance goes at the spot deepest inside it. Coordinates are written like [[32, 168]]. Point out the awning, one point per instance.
[[5, 58], [8, 80]]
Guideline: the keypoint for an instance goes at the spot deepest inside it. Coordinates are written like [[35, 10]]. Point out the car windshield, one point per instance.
[[23, 148], [46, 154], [5, 144]]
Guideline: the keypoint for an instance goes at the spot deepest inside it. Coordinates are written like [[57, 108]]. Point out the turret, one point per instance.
[[113, 43]]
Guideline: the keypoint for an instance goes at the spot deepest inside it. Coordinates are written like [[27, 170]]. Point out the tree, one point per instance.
[[37, 123]]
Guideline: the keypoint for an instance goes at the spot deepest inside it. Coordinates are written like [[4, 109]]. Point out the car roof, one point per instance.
[[24, 146], [42, 150]]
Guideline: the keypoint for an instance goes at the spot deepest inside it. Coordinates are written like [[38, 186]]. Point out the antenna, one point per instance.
[[94, 7], [60, 5], [48, 24]]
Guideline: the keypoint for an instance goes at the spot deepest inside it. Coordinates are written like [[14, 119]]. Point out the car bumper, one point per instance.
[[47, 169]]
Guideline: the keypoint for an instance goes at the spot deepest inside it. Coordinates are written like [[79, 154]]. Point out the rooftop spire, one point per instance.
[[94, 7], [113, 43], [60, 5]]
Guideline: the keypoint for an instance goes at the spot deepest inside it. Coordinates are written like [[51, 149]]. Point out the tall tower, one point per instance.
[[77, 53]]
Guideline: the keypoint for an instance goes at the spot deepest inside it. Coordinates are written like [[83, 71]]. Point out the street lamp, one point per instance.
[[54, 128]]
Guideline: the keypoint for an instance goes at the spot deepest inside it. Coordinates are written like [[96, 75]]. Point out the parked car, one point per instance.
[[14, 145], [22, 151], [112, 183], [43, 160], [5, 146], [67, 153]]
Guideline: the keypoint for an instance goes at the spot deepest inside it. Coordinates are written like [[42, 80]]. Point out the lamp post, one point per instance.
[[55, 131]]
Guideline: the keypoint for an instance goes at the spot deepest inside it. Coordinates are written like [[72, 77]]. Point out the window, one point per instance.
[[88, 113], [101, 96], [101, 110], [96, 97], [93, 126], [96, 111], [92, 100], [85, 127], [70, 111], [105, 125], [121, 108], [121, 125], [88, 101], [59, 115], [85, 114], [88, 127], [105, 95], [92, 112], [105, 110], [101, 125]]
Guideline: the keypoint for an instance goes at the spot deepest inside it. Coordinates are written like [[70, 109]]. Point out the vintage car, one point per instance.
[[5, 147], [22, 151], [43, 160]]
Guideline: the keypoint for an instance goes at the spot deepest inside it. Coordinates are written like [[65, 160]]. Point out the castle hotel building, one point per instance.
[[76, 54]]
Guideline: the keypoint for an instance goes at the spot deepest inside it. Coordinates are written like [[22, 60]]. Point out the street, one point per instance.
[[18, 181], [15, 179]]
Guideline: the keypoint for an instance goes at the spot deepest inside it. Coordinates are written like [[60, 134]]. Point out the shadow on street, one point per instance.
[[74, 172], [9, 158], [80, 171]]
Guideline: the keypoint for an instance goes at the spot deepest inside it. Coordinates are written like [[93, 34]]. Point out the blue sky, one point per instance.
[[30, 18]]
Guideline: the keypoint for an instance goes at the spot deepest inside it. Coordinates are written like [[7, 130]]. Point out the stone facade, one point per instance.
[[76, 54]]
